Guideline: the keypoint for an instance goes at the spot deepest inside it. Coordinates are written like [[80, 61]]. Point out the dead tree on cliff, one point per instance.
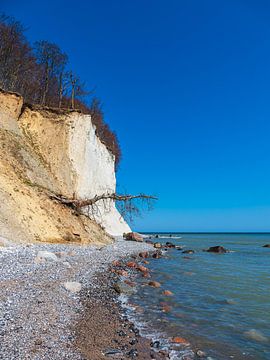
[[128, 205]]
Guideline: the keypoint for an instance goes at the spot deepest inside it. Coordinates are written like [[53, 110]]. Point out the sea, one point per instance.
[[220, 303]]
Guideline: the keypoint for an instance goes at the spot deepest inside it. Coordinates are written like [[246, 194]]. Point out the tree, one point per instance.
[[128, 208], [52, 61], [77, 88]]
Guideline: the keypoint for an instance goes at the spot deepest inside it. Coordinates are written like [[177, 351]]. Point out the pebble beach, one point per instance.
[[46, 292]]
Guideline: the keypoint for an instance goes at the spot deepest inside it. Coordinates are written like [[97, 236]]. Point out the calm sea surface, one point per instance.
[[221, 302]]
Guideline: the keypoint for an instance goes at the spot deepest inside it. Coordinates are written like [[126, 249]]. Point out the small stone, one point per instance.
[[188, 252], [131, 264], [130, 283], [47, 255], [157, 255], [142, 268], [155, 344], [123, 288], [144, 254], [166, 308], [122, 273], [255, 335], [111, 352], [73, 286], [121, 333], [116, 263], [154, 284], [167, 293], [200, 353], [132, 353], [180, 340], [157, 245], [38, 342]]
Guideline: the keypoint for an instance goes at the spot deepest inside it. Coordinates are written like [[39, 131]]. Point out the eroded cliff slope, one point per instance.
[[45, 151]]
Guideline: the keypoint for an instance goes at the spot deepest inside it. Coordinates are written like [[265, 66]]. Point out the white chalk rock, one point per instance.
[[47, 255], [73, 286], [255, 335]]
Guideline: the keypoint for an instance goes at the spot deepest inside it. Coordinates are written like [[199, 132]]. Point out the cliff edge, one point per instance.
[[46, 150]]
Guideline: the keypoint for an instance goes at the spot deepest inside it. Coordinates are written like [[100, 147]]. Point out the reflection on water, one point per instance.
[[221, 302]]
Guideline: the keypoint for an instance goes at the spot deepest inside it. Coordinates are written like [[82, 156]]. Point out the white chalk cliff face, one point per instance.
[[94, 169], [81, 164]]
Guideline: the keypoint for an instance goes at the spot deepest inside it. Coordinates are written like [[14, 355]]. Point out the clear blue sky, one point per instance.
[[186, 85]]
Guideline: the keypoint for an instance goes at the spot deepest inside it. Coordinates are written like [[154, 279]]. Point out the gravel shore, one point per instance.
[[40, 297]]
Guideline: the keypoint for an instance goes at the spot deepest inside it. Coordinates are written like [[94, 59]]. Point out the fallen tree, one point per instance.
[[127, 203]]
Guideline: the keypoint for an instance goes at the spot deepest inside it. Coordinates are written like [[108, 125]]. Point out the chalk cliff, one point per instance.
[[45, 150]]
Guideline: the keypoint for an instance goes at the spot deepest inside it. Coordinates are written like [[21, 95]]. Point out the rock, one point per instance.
[[131, 264], [217, 249], [156, 236], [255, 335], [155, 344], [188, 252], [157, 255], [133, 236], [142, 268], [47, 255], [266, 245], [121, 333], [154, 284], [130, 283], [180, 340], [38, 342], [167, 293], [132, 353], [123, 288], [144, 254], [112, 352], [170, 245], [116, 263], [157, 245], [122, 273], [200, 353], [166, 308], [67, 264], [146, 275], [73, 286]]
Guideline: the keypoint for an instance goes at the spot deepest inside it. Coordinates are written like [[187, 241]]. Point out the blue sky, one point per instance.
[[186, 85]]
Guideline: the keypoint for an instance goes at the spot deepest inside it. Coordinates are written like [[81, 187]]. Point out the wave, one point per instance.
[[147, 331]]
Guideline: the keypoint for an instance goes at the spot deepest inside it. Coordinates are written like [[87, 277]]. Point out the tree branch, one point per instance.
[[77, 204]]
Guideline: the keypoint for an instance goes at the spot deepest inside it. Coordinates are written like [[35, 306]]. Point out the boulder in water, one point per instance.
[[217, 249], [188, 252], [133, 236], [266, 245], [255, 335]]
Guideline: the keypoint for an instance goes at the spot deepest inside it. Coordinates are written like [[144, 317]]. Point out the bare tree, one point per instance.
[[50, 57], [77, 88]]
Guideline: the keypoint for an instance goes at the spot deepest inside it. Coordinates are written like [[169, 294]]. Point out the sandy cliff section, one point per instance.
[[45, 151]]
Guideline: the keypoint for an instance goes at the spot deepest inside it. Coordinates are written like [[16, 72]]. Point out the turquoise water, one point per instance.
[[221, 302]]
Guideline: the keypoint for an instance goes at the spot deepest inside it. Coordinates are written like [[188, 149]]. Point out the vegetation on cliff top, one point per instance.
[[40, 75]]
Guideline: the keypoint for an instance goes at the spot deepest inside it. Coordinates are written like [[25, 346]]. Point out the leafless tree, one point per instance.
[[52, 61], [128, 205]]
